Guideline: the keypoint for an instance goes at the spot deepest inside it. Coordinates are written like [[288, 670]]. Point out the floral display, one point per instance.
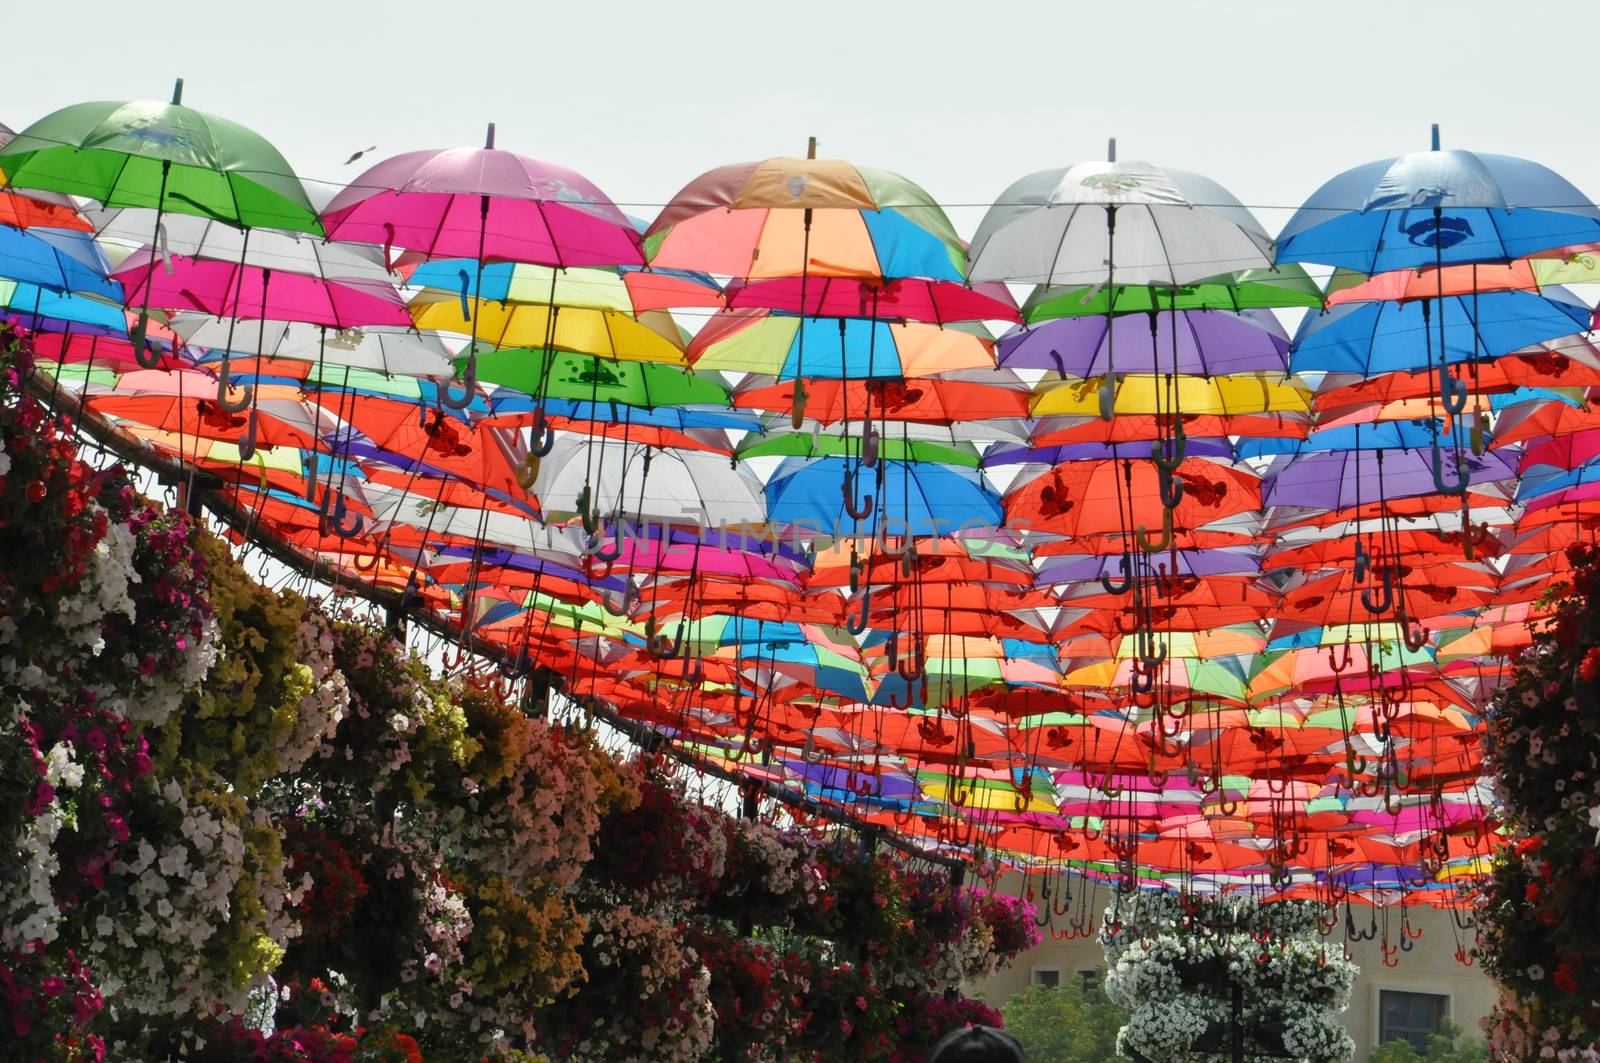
[[1177, 960], [246, 826], [1540, 931]]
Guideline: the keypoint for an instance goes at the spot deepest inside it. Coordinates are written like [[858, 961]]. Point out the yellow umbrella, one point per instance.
[[1147, 393]]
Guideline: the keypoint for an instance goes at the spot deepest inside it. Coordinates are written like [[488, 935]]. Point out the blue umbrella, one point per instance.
[[1383, 435], [51, 311], [58, 259], [1386, 337], [1431, 207], [907, 498]]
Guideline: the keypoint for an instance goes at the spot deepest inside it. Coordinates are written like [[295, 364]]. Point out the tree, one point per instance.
[[1070, 1023], [1450, 1045]]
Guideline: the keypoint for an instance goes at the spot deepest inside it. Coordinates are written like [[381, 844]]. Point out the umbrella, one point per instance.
[[761, 341], [1436, 207], [1252, 289], [912, 498], [1188, 342]]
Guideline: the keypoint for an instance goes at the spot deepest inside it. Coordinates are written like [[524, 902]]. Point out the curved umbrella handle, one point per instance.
[[848, 488], [1380, 605], [225, 385], [664, 648], [247, 439], [527, 471], [1414, 640], [1155, 546], [1170, 487], [855, 570], [1336, 664], [1363, 561], [542, 436], [1126, 583], [882, 536], [469, 386], [143, 353], [1141, 682], [1452, 392], [919, 666], [1457, 488], [340, 526], [591, 522], [869, 446], [610, 553], [1475, 435], [1153, 661], [1180, 448], [908, 558], [464, 288], [857, 624]]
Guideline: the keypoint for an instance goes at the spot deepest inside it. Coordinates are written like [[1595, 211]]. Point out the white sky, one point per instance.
[[1269, 97]]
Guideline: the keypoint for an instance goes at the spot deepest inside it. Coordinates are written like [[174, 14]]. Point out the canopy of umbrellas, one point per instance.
[[1055, 546]]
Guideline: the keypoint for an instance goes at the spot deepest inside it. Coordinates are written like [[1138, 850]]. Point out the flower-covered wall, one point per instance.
[[243, 826]]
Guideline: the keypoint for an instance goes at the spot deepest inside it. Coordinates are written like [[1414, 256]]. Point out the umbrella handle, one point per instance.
[[664, 648], [797, 415], [855, 570], [543, 437], [1382, 604], [1153, 661], [143, 353], [1457, 488], [225, 385], [918, 667], [1414, 641], [527, 471], [515, 667], [908, 558], [869, 446], [1363, 560], [1171, 487], [247, 439], [1180, 448], [1141, 682], [1475, 435], [847, 487], [1118, 587], [1155, 546], [606, 553], [1452, 392], [469, 386], [1336, 664], [345, 529], [368, 562], [857, 624], [1108, 398], [591, 521]]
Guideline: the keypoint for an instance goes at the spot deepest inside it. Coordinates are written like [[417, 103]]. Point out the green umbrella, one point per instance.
[[170, 157], [165, 156], [816, 445], [1257, 289], [587, 378]]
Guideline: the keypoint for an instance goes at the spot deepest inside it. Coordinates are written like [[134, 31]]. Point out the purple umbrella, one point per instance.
[[1203, 342], [1081, 568], [1331, 480]]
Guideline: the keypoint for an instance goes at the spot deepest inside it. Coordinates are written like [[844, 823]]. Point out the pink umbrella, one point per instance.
[[484, 204], [228, 289]]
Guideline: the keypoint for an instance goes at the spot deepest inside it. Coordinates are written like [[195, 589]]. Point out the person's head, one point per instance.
[[978, 1044]]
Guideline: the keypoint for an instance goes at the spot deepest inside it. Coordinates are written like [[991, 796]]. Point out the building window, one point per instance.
[[1089, 977], [1047, 976], [1404, 1016]]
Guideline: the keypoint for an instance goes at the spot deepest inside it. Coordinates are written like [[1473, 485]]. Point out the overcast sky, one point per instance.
[[1269, 97]]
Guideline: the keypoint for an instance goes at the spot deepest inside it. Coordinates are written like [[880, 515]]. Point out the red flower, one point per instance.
[[1565, 978]]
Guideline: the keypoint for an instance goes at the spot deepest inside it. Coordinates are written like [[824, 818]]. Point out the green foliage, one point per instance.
[[1450, 1045], [1070, 1023]]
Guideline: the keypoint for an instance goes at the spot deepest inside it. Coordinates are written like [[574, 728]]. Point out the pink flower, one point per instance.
[[53, 986]]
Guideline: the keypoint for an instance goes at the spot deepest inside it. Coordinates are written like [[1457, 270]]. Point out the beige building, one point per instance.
[[1425, 984]]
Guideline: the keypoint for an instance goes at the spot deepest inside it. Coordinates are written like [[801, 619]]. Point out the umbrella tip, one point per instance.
[[1111, 150], [811, 147], [177, 92], [488, 138], [1436, 136]]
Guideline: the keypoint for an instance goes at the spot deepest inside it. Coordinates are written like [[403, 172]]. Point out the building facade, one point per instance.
[[1424, 985]]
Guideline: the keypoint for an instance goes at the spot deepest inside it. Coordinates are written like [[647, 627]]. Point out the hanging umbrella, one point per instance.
[[1432, 207], [1286, 285], [773, 344], [1187, 342], [384, 349], [939, 302], [1170, 228], [947, 399], [649, 337], [582, 377], [913, 498], [632, 289]]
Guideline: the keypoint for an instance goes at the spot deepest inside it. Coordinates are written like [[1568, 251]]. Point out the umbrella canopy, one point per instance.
[[761, 341], [160, 155], [1172, 228], [1431, 207], [784, 217], [1187, 342]]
